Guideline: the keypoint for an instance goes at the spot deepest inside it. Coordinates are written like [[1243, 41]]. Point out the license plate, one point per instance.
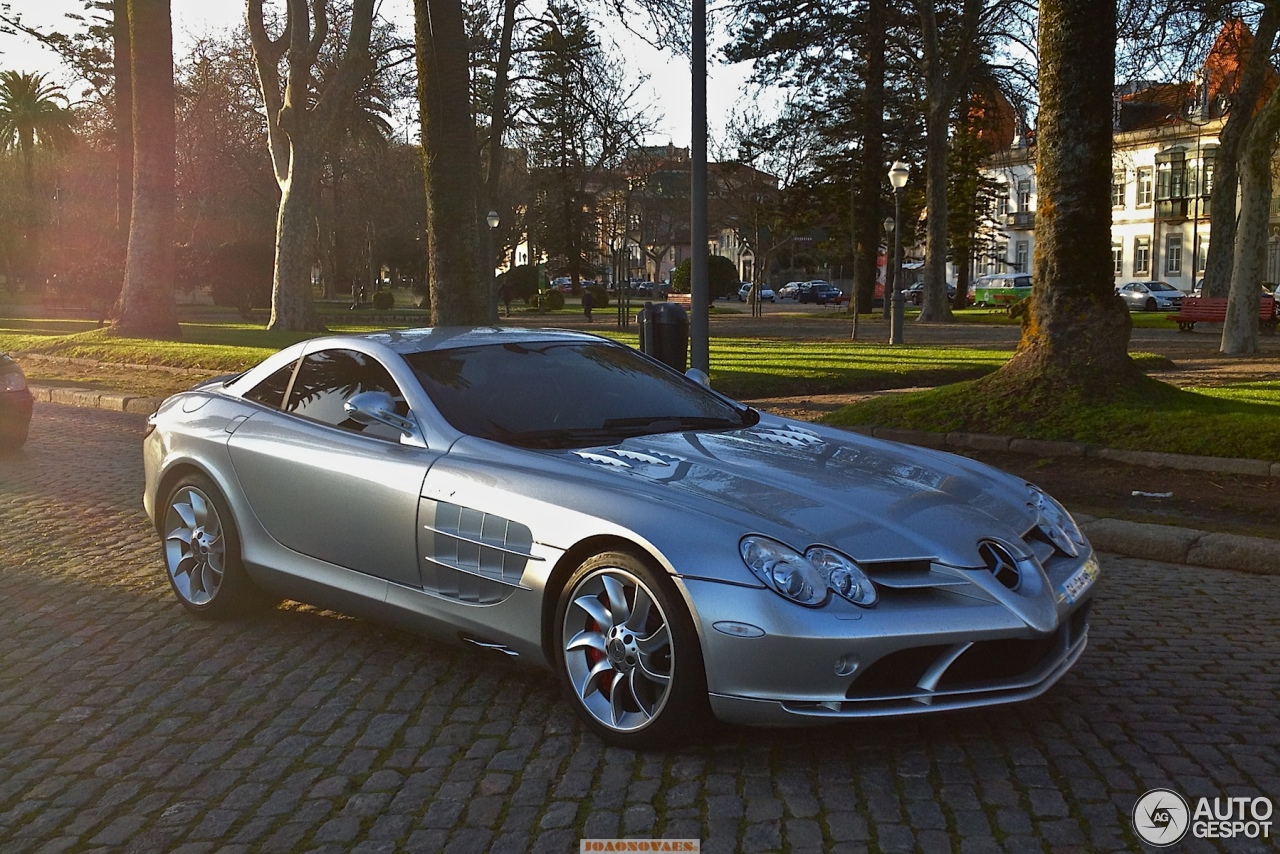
[[1080, 581]]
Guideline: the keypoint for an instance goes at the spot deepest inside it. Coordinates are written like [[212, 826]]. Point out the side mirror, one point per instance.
[[699, 377], [370, 407]]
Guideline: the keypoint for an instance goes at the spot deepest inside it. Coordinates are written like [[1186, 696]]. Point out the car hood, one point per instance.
[[805, 485]]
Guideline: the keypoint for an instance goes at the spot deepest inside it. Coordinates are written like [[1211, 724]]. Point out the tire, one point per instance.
[[201, 549], [1150, 304], [13, 437], [634, 676]]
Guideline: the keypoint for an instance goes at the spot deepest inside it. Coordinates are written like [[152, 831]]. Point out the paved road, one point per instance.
[[126, 724]]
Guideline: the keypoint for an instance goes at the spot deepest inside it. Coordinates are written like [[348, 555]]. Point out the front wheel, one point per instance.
[[1151, 304], [202, 551], [628, 654]]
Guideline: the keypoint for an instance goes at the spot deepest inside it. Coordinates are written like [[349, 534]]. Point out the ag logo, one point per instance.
[[1161, 817]]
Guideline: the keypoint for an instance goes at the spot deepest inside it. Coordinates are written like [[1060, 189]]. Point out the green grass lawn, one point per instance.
[[741, 367], [1240, 420], [1235, 420]]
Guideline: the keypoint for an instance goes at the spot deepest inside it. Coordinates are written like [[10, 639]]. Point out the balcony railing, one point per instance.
[[1173, 209], [1021, 219]]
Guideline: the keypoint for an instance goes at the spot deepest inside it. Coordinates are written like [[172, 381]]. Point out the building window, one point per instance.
[[1144, 186], [1173, 254], [1020, 252], [1202, 252], [1141, 255], [1002, 202], [1117, 189], [1117, 258], [1171, 179], [1024, 196]]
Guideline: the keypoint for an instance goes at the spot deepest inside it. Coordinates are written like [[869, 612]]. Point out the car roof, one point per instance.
[[421, 340]]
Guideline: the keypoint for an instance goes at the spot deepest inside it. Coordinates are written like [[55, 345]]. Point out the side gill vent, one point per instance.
[[1001, 562], [620, 458], [792, 437], [603, 460], [649, 459]]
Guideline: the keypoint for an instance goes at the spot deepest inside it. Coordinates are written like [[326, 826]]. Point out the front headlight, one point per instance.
[[12, 381], [843, 576], [1055, 522], [784, 571]]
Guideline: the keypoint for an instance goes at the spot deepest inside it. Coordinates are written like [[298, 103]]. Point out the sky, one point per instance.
[[669, 76]]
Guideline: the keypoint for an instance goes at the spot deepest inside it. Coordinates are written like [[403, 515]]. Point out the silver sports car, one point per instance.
[[667, 551]]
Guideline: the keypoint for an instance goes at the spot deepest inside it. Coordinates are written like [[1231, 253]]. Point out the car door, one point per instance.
[[327, 487]]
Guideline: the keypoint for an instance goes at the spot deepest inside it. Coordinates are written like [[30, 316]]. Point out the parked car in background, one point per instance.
[[563, 500], [915, 293], [819, 292], [766, 294], [790, 290], [15, 405], [1268, 288], [1150, 296]]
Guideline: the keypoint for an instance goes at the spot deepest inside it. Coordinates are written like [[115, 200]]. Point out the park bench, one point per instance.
[[685, 301], [1214, 310]]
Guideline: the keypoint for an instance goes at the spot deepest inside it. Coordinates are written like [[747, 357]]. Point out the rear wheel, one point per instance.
[[629, 656], [202, 551]]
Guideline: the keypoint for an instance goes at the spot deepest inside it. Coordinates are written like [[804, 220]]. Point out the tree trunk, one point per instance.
[[934, 305], [1076, 333], [459, 294], [291, 304], [498, 110], [871, 174], [1222, 199], [1240, 327], [123, 118], [145, 308]]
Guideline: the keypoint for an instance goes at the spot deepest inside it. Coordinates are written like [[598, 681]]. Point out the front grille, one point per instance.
[[895, 674], [998, 661], [983, 666]]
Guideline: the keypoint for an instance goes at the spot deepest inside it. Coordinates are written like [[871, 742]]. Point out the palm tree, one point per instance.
[[32, 114]]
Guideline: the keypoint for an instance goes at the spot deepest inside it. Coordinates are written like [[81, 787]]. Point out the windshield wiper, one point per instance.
[[675, 423], [568, 438]]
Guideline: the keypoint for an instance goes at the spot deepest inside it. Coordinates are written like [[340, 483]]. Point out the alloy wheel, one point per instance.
[[618, 649], [194, 546]]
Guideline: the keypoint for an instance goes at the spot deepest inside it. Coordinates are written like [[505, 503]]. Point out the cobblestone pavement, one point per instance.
[[126, 724]]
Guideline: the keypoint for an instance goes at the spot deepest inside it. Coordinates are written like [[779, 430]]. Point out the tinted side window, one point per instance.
[[328, 379], [270, 392]]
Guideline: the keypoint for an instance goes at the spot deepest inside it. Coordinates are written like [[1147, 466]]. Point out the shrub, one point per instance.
[[384, 300], [552, 301], [239, 275], [599, 296], [722, 277]]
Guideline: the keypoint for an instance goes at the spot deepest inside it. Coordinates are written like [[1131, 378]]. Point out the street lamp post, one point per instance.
[[898, 180], [885, 305], [493, 221], [1198, 116]]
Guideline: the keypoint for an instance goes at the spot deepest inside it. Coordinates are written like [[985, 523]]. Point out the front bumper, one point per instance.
[[15, 410], [921, 650]]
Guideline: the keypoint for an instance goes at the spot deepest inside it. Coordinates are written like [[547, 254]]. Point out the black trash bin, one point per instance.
[[664, 334]]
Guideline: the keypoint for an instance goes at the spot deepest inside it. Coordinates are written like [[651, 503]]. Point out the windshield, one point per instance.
[[566, 394], [1160, 286]]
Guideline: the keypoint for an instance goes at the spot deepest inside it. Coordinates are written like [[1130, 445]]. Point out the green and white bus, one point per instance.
[[1000, 290]]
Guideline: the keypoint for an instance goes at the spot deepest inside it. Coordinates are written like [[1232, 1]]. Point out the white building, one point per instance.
[[1164, 146]]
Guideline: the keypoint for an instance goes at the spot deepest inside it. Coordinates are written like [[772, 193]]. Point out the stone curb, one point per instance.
[[94, 399], [1150, 459], [1133, 539], [1188, 546]]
